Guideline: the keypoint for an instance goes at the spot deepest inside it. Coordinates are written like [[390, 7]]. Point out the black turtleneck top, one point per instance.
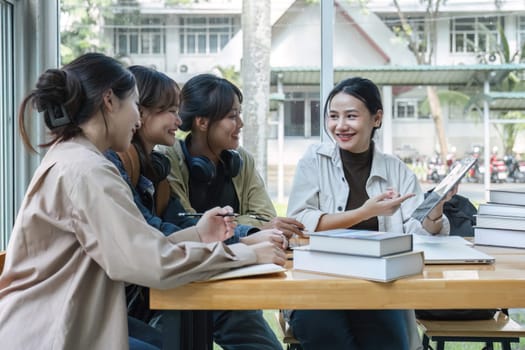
[[357, 168]]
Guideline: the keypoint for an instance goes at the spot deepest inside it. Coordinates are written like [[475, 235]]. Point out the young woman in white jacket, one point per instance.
[[351, 184]]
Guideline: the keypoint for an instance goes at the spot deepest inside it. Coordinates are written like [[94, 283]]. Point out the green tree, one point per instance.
[[81, 27], [229, 73], [422, 45]]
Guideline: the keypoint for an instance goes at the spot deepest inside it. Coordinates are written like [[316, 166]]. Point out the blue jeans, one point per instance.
[[143, 336], [350, 329], [243, 330], [136, 344]]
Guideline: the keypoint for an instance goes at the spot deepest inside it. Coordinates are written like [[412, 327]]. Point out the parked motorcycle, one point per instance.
[[516, 169], [436, 170]]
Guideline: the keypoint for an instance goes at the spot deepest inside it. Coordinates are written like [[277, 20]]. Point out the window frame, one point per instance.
[[143, 37], [7, 112], [473, 37], [410, 102], [197, 33]]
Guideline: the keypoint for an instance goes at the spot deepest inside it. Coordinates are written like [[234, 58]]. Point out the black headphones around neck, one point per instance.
[[203, 170]]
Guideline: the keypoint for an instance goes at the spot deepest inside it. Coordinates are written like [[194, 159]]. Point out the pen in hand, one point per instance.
[[201, 214], [256, 217]]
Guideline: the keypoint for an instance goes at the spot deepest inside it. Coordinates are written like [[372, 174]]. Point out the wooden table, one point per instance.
[[500, 285]]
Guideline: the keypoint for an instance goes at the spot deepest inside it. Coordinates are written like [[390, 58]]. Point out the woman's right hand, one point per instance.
[[214, 226], [269, 253], [385, 204]]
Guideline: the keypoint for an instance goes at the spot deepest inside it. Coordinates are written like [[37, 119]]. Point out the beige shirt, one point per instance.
[[77, 239]]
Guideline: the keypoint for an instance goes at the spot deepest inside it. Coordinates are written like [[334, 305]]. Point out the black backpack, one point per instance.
[[461, 214]]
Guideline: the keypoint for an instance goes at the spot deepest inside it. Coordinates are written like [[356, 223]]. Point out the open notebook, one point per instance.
[[450, 250], [250, 270]]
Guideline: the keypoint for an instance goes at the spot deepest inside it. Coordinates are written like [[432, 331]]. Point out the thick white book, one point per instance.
[[501, 222], [515, 196], [250, 270], [361, 242], [501, 209], [383, 269], [499, 237]]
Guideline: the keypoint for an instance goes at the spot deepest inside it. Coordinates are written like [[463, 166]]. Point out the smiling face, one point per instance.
[[350, 122], [158, 128], [225, 133], [123, 120]]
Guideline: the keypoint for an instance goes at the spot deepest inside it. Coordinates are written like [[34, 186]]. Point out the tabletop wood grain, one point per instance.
[[501, 284]]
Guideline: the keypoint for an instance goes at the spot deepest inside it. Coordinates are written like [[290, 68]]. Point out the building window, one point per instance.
[[301, 114], [148, 38], [205, 35], [521, 31], [406, 109], [474, 34]]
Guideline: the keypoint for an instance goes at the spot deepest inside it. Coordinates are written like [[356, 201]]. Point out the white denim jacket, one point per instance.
[[320, 187]]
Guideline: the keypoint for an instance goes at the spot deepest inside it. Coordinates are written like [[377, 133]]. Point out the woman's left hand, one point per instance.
[[272, 235]]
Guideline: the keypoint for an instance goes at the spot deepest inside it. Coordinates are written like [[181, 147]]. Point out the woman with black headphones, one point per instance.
[[209, 169]]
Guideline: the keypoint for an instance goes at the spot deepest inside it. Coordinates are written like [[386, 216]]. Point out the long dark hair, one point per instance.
[[70, 96], [361, 88], [157, 92]]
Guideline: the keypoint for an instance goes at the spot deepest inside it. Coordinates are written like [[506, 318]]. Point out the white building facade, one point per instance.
[[184, 40]]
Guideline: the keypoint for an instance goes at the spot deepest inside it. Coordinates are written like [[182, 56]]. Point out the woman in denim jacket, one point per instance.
[[351, 184]]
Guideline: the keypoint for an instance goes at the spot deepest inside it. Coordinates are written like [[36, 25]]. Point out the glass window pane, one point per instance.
[[122, 44], [157, 44], [482, 42], [202, 43], [146, 43], [294, 118], [190, 44], [460, 44], [134, 43], [224, 41], [411, 111], [471, 42], [214, 43], [182, 48]]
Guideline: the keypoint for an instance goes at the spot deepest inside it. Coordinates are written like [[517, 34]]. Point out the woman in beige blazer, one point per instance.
[[79, 238]]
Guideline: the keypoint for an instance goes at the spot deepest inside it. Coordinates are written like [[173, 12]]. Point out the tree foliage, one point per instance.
[[81, 27], [229, 73], [421, 42]]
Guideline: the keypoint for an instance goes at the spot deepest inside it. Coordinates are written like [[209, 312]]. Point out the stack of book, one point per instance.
[[501, 221], [372, 255]]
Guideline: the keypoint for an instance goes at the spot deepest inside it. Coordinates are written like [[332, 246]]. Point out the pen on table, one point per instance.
[[201, 214]]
